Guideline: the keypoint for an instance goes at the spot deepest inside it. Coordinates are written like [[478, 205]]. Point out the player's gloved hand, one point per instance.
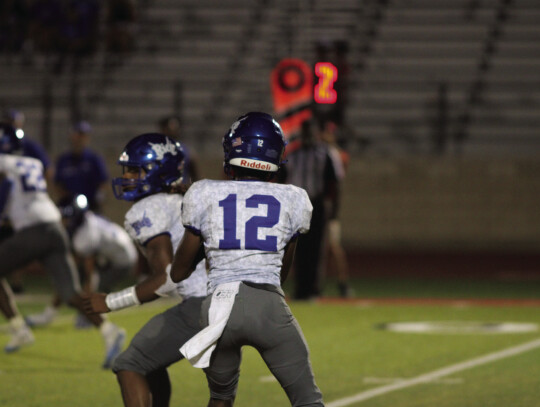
[[94, 303], [168, 289]]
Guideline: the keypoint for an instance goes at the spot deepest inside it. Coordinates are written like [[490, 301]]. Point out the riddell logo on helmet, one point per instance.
[[255, 165]]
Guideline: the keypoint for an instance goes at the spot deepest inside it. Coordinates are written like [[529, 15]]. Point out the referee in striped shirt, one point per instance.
[[311, 166]]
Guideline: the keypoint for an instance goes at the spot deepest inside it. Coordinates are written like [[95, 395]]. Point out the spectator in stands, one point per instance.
[[80, 170], [45, 22], [311, 167], [78, 33], [471, 9], [121, 18], [172, 126], [13, 25]]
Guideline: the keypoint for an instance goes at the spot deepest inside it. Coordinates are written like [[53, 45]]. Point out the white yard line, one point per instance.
[[436, 374], [388, 380]]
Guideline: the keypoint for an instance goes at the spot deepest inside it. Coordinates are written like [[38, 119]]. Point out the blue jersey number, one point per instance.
[[230, 240], [31, 178]]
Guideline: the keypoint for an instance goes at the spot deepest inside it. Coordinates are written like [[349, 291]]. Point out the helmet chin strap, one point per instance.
[[227, 168], [233, 175], [177, 186]]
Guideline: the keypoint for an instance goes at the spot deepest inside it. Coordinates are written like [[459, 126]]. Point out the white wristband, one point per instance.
[[122, 299]]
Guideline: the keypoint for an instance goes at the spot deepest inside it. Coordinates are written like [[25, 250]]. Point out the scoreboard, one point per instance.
[[294, 91]]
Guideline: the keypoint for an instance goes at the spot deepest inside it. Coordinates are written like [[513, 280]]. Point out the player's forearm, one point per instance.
[[88, 269], [135, 295], [180, 270], [185, 256], [288, 257], [159, 254], [146, 289], [155, 286]]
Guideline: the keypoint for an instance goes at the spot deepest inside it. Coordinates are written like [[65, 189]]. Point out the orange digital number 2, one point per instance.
[[324, 91]]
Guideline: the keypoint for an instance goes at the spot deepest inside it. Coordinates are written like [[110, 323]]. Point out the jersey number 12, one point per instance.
[[231, 242]]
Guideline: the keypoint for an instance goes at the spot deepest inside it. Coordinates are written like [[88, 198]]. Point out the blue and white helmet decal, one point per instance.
[[159, 160]]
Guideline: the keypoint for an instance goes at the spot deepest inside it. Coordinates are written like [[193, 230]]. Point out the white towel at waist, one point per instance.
[[198, 349]]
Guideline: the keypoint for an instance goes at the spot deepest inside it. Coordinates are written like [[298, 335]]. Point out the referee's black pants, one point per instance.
[[308, 255]]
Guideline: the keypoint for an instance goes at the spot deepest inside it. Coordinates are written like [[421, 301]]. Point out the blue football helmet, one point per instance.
[[159, 160], [10, 140], [254, 141], [73, 210]]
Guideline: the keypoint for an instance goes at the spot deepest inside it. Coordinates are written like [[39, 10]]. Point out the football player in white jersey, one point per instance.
[[248, 228], [39, 235], [152, 169], [98, 244]]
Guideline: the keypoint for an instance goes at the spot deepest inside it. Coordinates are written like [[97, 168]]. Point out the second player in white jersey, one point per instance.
[[152, 166], [246, 226], [39, 236], [29, 203], [104, 252], [99, 236], [159, 214]]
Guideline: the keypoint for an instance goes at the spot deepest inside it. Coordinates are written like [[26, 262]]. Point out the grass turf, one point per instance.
[[350, 353]]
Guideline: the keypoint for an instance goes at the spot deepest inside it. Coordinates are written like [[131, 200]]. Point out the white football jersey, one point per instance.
[[102, 237], [160, 214], [245, 226], [28, 203]]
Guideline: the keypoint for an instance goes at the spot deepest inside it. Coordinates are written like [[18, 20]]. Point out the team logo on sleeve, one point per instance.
[[162, 149], [144, 222]]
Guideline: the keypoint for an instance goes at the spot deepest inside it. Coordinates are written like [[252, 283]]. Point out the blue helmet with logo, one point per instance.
[[254, 141], [10, 140], [159, 161]]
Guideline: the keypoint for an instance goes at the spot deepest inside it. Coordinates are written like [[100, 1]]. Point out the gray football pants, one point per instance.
[[47, 243], [157, 344], [262, 319]]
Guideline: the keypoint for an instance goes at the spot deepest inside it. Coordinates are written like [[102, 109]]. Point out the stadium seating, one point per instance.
[[211, 60]]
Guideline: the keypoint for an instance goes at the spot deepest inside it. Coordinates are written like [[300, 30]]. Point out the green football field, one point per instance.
[[475, 343]]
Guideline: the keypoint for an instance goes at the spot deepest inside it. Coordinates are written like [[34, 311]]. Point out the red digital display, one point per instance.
[[292, 90], [324, 91]]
